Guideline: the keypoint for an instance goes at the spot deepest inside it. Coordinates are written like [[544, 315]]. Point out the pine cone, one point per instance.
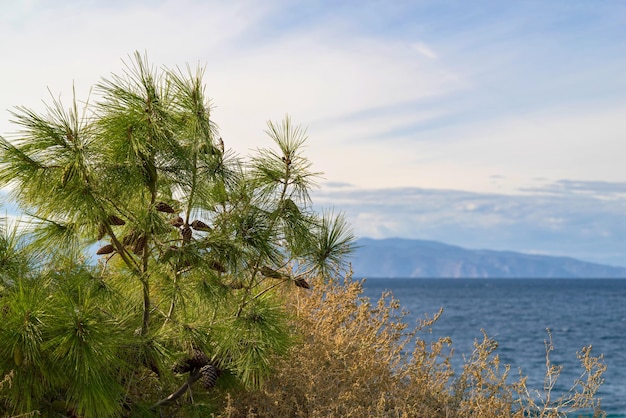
[[164, 207], [140, 244], [209, 375], [302, 283], [200, 226], [198, 359], [107, 249], [186, 233]]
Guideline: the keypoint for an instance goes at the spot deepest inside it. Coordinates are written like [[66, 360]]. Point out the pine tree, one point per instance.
[[184, 231]]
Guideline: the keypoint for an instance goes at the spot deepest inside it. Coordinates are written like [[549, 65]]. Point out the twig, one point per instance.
[[193, 376]]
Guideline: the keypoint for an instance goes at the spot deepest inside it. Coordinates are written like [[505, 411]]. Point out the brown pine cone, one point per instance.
[[302, 283], [209, 375], [107, 249], [198, 359], [140, 244], [186, 233], [164, 207], [200, 226]]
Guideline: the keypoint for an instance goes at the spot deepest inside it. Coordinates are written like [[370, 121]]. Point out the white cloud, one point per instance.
[[424, 49], [568, 143], [576, 225]]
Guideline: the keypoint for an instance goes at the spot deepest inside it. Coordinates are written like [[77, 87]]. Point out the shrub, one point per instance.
[[351, 360]]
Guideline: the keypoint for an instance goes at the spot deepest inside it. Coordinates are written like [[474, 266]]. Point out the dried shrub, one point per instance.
[[353, 360], [6, 380], [580, 398]]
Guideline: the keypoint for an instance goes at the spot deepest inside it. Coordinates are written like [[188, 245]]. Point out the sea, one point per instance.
[[518, 313]]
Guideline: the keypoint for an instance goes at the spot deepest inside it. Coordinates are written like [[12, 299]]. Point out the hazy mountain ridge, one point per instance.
[[395, 257]]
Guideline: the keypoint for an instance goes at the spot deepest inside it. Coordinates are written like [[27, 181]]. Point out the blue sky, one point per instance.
[[486, 124]]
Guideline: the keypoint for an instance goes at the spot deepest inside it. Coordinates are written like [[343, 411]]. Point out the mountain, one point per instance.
[[396, 257]]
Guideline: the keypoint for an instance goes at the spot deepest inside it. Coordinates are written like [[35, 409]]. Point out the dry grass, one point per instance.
[[6, 380], [351, 361]]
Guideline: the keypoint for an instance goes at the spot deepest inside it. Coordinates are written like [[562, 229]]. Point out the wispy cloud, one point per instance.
[[424, 49], [603, 190]]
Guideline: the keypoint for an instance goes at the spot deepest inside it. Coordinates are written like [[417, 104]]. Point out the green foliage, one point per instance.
[[57, 337], [14, 260], [186, 232]]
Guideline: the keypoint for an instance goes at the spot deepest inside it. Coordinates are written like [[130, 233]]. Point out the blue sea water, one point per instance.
[[517, 312]]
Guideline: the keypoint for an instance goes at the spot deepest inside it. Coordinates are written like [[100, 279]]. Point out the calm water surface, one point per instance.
[[517, 312]]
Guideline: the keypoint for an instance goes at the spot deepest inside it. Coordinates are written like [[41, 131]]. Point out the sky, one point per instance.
[[485, 124]]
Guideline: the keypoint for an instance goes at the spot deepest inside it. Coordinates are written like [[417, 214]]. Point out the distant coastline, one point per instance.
[[408, 258]]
